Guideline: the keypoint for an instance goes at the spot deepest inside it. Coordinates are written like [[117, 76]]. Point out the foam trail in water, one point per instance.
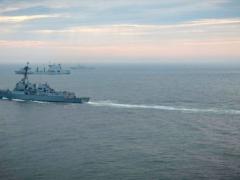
[[41, 102], [166, 108], [18, 100]]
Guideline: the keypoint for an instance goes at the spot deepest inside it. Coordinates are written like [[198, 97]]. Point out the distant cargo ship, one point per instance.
[[53, 69]]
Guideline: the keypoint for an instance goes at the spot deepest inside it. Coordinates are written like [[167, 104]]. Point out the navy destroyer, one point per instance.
[[25, 90]]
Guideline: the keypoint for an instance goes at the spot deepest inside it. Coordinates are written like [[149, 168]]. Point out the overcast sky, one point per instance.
[[86, 31]]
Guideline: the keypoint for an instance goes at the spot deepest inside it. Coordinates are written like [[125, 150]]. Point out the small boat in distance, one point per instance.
[[25, 90], [53, 69], [81, 67]]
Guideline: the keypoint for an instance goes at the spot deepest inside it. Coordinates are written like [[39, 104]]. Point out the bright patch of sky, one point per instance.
[[119, 31]]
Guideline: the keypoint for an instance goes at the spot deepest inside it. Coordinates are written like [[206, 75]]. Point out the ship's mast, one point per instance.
[[25, 78]]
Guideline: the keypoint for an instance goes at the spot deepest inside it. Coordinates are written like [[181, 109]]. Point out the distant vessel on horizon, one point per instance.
[[81, 67], [22, 71], [53, 69], [25, 90]]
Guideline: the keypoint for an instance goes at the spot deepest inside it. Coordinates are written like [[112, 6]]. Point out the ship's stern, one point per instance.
[[79, 100]]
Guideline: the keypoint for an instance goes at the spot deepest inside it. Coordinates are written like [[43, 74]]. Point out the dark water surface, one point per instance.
[[142, 123]]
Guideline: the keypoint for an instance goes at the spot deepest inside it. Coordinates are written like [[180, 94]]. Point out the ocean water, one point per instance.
[[143, 122]]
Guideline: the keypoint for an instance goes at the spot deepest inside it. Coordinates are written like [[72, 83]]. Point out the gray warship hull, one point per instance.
[[26, 97]]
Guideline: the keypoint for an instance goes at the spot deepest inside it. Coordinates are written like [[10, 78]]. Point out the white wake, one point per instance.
[[21, 100], [18, 100], [41, 102], [164, 108]]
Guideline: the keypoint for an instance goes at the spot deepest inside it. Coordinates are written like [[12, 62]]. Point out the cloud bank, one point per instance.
[[119, 31]]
